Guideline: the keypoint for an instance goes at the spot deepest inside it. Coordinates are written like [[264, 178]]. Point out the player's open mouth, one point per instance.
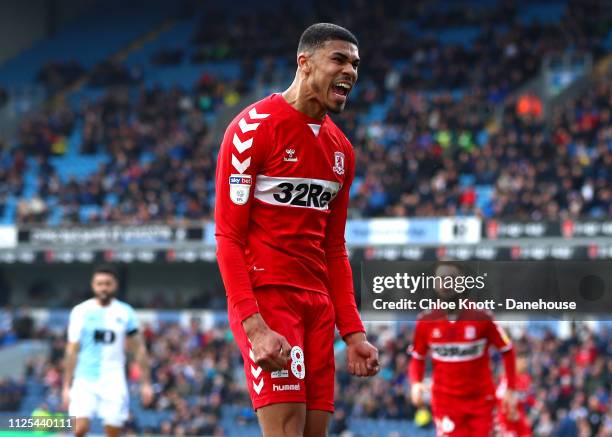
[[342, 88]]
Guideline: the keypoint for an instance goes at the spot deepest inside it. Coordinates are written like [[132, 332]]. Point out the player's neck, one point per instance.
[[304, 100], [104, 303]]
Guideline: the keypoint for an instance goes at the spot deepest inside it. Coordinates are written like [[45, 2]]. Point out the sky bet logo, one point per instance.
[[241, 180]]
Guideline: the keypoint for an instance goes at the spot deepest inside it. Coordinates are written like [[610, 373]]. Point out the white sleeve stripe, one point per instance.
[[506, 348], [241, 167], [241, 146]]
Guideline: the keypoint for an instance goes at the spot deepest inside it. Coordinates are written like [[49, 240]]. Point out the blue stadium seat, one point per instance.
[[56, 214], [464, 36], [466, 180], [86, 211], [541, 12], [176, 36], [78, 166], [75, 139], [10, 209], [111, 198], [87, 39], [484, 198], [608, 42]]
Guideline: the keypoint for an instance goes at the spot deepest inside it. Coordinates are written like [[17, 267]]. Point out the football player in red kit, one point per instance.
[[513, 422], [462, 394], [282, 189]]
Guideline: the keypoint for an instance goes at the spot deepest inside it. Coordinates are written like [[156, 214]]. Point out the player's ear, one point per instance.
[[304, 62]]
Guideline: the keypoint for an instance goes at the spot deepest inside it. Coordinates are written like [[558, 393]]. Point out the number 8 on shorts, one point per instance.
[[297, 362]]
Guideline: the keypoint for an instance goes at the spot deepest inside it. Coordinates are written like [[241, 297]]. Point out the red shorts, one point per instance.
[[463, 417], [306, 319]]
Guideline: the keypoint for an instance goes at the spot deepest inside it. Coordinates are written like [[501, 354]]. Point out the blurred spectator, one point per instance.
[[112, 73], [168, 57], [58, 75], [7, 332], [529, 105], [32, 210], [4, 97], [11, 394]]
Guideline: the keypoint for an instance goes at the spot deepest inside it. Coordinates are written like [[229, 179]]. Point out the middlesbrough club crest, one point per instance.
[[338, 163]]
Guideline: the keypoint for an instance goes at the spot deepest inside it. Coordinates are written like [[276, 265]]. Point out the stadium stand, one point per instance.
[[429, 128], [87, 41]]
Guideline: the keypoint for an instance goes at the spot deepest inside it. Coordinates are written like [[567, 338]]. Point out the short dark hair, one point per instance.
[[317, 34], [107, 269]]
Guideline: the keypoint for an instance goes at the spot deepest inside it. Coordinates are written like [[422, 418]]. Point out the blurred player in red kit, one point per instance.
[[463, 393], [512, 420], [282, 188]]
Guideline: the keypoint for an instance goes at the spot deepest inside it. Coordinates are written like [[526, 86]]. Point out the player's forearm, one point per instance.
[[142, 358], [254, 325], [343, 296], [416, 370], [509, 358], [240, 297], [69, 365], [355, 337]]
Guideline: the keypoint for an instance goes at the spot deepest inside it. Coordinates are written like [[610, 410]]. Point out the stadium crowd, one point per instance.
[[11, 394], [437, 139], [197, 372], [412, 163], [503, 53]]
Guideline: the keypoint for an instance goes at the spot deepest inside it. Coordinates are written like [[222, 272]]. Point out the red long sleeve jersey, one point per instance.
[[282, 192], [460, 352]]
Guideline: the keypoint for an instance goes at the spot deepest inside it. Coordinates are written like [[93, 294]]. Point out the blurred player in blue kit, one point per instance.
[[99, 331]]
